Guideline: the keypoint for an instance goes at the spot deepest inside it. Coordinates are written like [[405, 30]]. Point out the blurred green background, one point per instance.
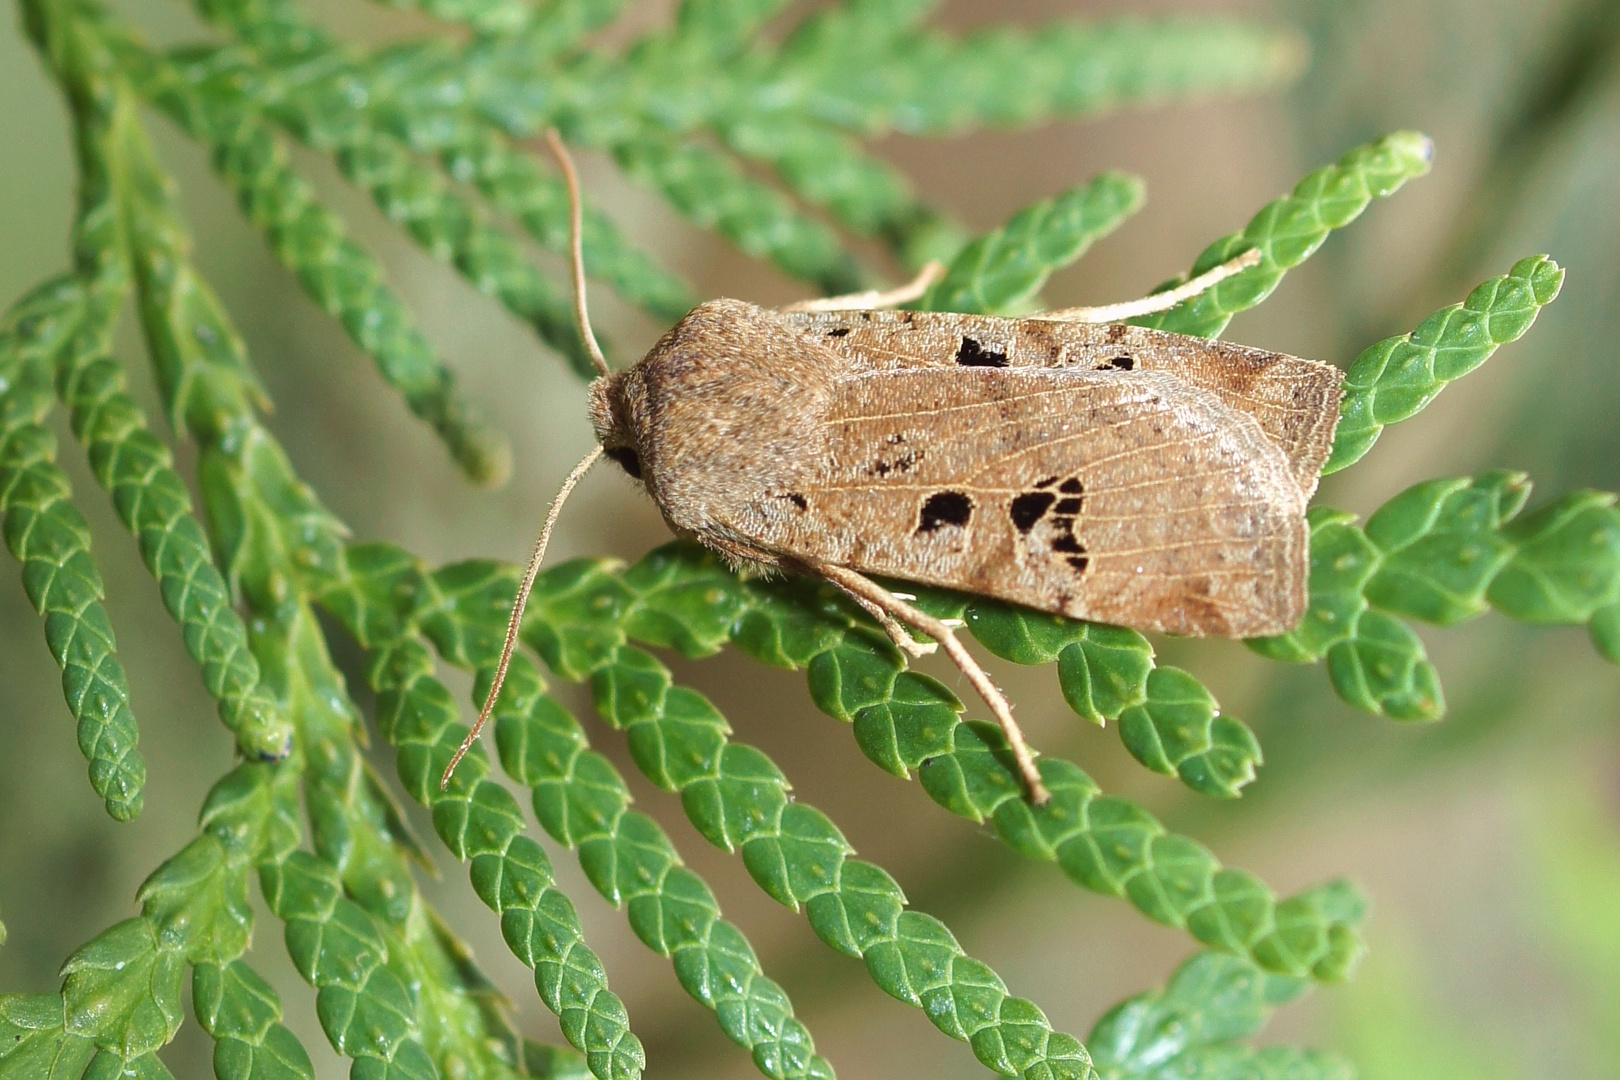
[[1489, 843]]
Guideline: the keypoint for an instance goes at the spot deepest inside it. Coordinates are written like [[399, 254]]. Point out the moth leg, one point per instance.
[[862, 586], [1163, 301], [875, 299], [897, 633]]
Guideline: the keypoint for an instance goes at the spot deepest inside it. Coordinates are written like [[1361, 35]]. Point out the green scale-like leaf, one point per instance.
[[1003, 270], [405, 90], [477, 819], [924, 81], [302, 78], [1442, 552], [514, 184], [738, 799], [480, 822], [1433, 552], [275, 539], [482, 16], [680, 743], [792, 851], [865, 194], [672, 911], [136, 468], [905, 722], [312, 243], [1397, 378], [449, 1020], [361, 113], [364, 1007], [49, 537], [121, 991], [1194, 1027], [784, 107], [679, 107], [716, 193], [1289, 230], [243, 1015], [35, 1043], [152, 501]]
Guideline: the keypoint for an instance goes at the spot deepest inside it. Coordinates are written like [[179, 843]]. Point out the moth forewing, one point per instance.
[[1131, 499], [1294, 401], [1125, 496]]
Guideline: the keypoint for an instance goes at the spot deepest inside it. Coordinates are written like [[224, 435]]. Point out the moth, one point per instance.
[[1066, 462]]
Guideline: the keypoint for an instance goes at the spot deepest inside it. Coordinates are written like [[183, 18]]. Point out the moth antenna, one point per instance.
[[861, 586], [876, 299], [1163, 301], [521, 602], [576, 247]]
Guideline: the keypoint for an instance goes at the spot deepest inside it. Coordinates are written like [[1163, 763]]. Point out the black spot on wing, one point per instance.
[[944, 508], [798, 500], [972, 354], [840, 332], [1028, 508], [902, 463], [1122, 363], [1066, 543]]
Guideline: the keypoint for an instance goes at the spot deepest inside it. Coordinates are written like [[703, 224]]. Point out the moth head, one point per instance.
[[611, 417]]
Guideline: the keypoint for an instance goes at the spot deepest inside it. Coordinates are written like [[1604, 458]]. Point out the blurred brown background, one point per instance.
[[1490, 843]]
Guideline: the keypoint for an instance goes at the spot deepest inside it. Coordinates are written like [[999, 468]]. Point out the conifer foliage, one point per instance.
[[756, 130]]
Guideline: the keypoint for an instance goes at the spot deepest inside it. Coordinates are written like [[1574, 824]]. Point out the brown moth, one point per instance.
[[1065, 462]]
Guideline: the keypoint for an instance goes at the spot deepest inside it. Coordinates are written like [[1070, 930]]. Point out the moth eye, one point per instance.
[[1122, 363], [945, 508], [972, 354], [627, 459]]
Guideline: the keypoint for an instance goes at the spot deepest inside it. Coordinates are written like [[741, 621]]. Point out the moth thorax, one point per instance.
[[610, 416]]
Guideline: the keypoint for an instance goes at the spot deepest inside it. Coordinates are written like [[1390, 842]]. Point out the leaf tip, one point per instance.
[[1546, 277], [1413, 149]]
